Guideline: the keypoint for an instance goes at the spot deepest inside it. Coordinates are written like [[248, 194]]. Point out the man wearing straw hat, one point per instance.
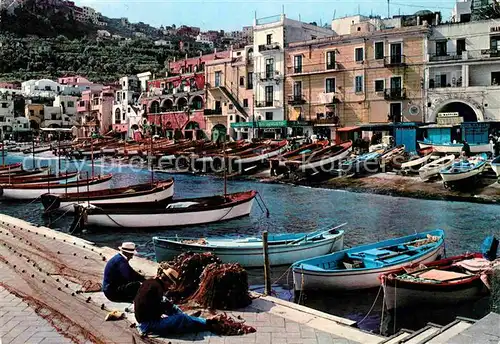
[[157, 315], [121, 282]]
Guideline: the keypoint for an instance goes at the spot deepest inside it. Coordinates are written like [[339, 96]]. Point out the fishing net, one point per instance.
[[224, 325], [222, 286], [190, 267]]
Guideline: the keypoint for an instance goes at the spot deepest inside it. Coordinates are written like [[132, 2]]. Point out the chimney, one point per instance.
[[418, 20]]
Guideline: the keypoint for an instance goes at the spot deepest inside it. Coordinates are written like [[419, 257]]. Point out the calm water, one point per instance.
[[370, 218]]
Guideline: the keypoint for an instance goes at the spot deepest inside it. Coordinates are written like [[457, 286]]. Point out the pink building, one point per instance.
[[76, 80], [95, 110], [10, 85]]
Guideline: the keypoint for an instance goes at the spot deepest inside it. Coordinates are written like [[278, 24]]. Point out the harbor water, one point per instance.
[[295, 209]]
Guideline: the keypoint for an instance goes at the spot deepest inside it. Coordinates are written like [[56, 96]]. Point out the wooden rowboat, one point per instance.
[[359, 267], [18, 166], [456, 147], [284, 249], [440, 282], [181, 212], [323, 160], [462, 170], [33, 191], [43, 171], [141, 193], [432, 169], [38, 179]]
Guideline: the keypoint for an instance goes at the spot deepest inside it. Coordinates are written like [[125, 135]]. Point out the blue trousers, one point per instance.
[[176, 323]]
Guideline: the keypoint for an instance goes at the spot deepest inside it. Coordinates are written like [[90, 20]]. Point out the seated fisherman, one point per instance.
[[155, 314], [121, 282]]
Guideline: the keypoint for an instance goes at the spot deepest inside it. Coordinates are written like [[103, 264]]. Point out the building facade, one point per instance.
[[95, 111], [11, 125], [229, 104], [271, 36], [364, 77], [127, 112]]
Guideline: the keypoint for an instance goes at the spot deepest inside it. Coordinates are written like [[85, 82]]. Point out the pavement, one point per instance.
[[484, 331], [43, 272]]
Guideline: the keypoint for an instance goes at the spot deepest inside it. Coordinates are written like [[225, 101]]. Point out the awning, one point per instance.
[[347, 129]]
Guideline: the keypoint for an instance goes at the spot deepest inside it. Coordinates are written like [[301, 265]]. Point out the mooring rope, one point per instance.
[[373, 305]]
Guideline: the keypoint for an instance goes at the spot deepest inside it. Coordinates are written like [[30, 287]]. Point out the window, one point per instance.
[[269, 39], [330, 85], [269, 68], [358, 84], [297, 64], [71, 104], [379, 50], [330, 60], [2, 119], [297, 90], [242, 81], [441, 49], [440, 80], [250, 80], [245, 103], [269, 96], [32, 112], [4, 105], [128, 109], [269, 116], [495, 78], [313, 37], [494, 45], [460, 46], [358, 54], [217, 79], [217, 105], [379, 85]]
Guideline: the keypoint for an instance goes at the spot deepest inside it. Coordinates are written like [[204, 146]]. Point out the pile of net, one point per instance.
[[190, 266], [222, 286], [226, 326]]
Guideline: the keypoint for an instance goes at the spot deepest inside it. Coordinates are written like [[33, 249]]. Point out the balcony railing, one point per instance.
[[269, 76], [268, 47], [312, 69], [394, 60], [212, 112], [296, 99], [395, 94], [334, 120], [267, 103], [446, 57], [453, 83]]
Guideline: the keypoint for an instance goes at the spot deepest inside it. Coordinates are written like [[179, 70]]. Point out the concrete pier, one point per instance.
[[49, 293]]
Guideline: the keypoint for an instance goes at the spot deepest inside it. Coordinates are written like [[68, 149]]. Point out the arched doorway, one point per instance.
[[118, 116], [182, 103], [191, 130], [167, 105], [219, 133], [154, 107], [464, 110], [197, 103]]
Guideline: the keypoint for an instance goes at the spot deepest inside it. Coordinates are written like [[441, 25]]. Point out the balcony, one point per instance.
[[269, 76], [312, 69], [212, 112], [329, 120], [328, 99], [267, 104], [446, 57], [269, 47], [395, 94], [296, 99], [395, 61]]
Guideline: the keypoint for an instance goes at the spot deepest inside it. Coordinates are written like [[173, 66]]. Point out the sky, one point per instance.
[[232, 15]]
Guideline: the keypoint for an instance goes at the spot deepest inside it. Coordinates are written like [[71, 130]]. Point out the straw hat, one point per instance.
[[170, 274], [128, 247]]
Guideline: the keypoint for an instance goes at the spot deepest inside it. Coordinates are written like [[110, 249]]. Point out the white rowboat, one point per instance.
[[432, 169]]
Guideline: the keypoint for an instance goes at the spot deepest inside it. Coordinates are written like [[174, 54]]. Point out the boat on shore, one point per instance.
[[38, 179], [359, 267], [180, 212], [463, 170], [284, 249], [445, 281], [323, 160], [433, 168], [495, 165], [142, 193], [416, 162], [393, 157], [257, 156], [362, 164], [455, 148], [33, 191]]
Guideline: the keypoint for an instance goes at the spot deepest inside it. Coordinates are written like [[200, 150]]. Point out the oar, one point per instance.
[[317, 235]]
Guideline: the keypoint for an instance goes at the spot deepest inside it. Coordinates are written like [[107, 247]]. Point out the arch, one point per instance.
[[181, 103], [192, 126], [118, 116], [134, 127], [468, 111], [197, 102], [167, 104], [219, 133], [54, 125], [154, 107]]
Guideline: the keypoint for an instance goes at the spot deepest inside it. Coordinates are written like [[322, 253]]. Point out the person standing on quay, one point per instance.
[[121, 282]]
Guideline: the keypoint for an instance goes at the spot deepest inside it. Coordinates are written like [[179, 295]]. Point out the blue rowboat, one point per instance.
[[284, 249], [359, 267], [462, 170], [365, 163]]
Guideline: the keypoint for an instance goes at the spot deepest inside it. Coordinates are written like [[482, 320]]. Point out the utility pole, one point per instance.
[[388, 9]]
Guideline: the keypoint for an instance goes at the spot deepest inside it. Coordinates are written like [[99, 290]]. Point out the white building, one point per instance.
[[41, 88], [67, 104], [103, 33], [164, 43], [463, 70], [269, 41], [127, 112], [90, 14], [10, 124]]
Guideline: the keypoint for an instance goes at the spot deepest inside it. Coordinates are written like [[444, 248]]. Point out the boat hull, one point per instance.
[[174, 219], [33, 193], [430, 170], [324, 165], [354, 280], [252, 257], [455, 148], [458, 177]]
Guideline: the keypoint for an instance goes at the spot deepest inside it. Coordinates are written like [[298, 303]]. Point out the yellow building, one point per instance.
[[35, 114]]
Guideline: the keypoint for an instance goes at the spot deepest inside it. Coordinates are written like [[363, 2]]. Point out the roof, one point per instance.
[[345, 129]]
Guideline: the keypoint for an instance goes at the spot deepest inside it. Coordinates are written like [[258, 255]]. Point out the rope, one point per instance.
[[264, 204], [116, 223], [33, 201], [60, 217], [373, 305], [48, 211], [230, 209]]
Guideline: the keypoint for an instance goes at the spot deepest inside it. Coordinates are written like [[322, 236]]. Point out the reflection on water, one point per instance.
[[294, 209]]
